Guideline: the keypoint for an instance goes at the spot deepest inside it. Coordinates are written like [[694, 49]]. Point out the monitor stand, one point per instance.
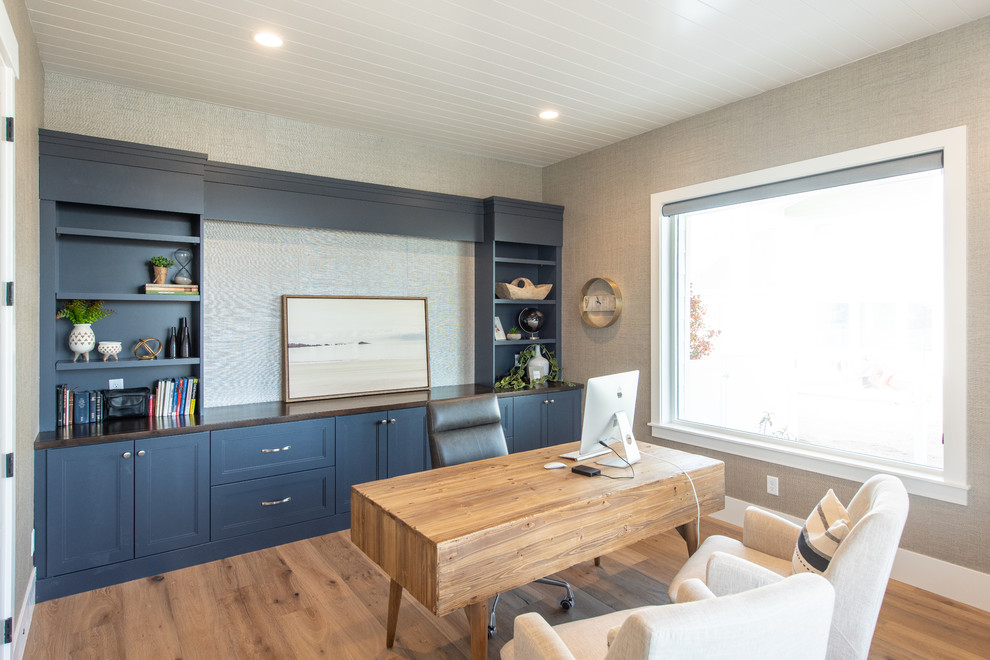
[[629, 448]]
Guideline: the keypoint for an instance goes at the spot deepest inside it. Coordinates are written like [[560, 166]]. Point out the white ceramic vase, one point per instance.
[[538, 366], [82, 340]]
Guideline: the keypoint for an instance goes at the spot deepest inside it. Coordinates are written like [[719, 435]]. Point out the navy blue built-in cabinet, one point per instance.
[[106, 208], [115, 501], [519, 239], [381, 445], [132, 497], [550, 418]]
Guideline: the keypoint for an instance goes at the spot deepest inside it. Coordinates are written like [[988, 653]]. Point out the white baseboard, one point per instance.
[[24, 617], [939, 577]]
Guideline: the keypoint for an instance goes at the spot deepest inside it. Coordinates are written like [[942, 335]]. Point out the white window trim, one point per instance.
[[951, 483]]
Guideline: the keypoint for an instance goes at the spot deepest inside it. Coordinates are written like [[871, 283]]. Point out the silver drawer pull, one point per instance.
[[276, 449], [274, 502]]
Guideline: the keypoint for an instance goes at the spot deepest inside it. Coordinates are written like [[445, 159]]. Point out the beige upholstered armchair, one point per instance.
[[858, 570], [787, 619]]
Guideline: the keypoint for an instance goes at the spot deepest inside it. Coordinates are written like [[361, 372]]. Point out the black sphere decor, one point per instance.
[[531, 320]]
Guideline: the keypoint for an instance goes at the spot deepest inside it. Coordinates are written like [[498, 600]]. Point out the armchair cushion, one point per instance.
[[727, 574], [821, 535], [769, 533], [697, 564]]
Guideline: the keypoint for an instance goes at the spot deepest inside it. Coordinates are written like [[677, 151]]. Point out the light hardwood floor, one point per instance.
[[321, 598]]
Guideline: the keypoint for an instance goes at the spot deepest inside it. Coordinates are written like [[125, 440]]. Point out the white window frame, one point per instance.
[[949, 484]]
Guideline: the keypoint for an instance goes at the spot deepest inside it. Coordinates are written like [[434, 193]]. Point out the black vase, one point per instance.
[[170, 343], [183, 340]]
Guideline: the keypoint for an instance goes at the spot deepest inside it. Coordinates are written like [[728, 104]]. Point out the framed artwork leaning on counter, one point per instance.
[[335, 346]]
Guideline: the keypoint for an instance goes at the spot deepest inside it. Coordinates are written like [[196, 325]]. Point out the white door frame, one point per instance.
[[8, 72]]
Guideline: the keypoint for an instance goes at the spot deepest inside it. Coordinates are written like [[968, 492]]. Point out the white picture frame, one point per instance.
[[499, 332]]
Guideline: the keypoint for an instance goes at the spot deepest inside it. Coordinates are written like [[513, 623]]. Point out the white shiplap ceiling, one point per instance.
[[471, 75]]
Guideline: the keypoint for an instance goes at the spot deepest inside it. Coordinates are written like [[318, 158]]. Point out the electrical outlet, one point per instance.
[[772, 485], [116, 383]]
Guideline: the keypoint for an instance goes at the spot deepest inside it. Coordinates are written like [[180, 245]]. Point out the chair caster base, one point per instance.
[[491, 631], [567, 603]]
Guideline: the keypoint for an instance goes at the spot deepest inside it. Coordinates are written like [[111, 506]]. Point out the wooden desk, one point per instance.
[[455, 536]]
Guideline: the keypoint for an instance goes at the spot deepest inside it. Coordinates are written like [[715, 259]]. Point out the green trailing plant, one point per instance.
[[516, 378], [84, 311], [161, 262]]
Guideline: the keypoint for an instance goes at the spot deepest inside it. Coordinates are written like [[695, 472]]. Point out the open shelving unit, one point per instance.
[[521, 239], [99, 227]]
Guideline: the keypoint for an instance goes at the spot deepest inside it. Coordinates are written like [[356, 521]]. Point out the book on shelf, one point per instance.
[[77, 407], [180, 289], [175, 397]]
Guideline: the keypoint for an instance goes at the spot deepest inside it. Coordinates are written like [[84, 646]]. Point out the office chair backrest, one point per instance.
[[463, 430]]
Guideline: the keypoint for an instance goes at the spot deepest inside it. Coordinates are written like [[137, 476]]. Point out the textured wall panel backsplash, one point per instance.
[[249, 267]]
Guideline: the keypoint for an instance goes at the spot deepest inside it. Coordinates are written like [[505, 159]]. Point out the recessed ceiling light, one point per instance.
[[268, 39], [549, 114]]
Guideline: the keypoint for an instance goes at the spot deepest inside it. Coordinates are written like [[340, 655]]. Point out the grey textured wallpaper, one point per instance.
[[249, 267], [928, 85]]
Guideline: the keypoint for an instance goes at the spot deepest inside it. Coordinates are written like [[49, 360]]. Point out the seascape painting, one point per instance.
[[342, 346]]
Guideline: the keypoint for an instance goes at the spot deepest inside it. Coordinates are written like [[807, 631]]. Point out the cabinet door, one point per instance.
[[563, 417], [171, 492], [406, 442], [527, 422], [90, 493], [357, 454]]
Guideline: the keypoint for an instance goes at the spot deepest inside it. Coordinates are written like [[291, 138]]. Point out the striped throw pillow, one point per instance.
[[821, 535]]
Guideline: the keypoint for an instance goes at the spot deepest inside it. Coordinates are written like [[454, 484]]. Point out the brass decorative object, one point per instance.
[[152, 352], [600, 308]]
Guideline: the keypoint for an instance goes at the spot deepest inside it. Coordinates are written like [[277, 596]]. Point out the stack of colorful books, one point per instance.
[[175, 397]]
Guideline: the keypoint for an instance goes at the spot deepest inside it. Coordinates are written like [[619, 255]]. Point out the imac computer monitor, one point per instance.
[[609, 411]]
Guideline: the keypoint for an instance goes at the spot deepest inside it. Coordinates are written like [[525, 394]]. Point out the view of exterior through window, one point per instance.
[[817, 318]]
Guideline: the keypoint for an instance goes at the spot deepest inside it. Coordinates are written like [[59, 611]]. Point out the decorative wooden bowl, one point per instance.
[[522, 289]]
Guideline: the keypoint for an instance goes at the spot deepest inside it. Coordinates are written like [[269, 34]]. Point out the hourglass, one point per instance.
[[183, 258]]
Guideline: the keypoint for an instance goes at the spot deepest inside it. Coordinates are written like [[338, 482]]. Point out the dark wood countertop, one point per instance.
[[255, 414]]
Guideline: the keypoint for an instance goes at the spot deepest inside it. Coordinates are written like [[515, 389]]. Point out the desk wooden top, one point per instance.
[[456, 535]]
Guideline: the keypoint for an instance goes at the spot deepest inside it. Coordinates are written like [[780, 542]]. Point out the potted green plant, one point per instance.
[[160, 266], [513, 333], [83, 314]]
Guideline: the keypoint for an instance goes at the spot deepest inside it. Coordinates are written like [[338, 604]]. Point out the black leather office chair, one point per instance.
[[470, 429]]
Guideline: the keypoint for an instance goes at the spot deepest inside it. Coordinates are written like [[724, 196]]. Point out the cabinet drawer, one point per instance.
[[263, 451], [252, 506]]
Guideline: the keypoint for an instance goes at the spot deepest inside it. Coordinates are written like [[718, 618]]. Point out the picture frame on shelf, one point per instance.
[[499, 332], [336, 346]]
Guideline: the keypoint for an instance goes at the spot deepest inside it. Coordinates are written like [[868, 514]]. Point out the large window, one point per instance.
[[803, 311]]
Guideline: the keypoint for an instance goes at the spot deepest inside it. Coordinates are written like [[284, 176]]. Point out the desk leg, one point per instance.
[[689, 532], [394, 599], [477, 615]]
